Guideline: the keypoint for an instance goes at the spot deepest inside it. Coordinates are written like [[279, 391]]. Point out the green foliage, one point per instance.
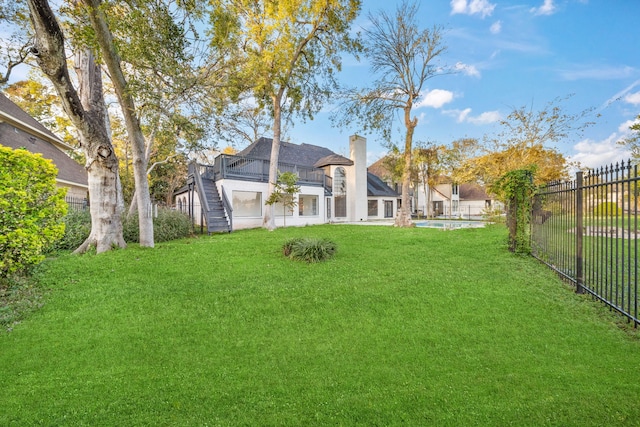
[[309, 249], [284, 192], [31, 209], [607, 209], [516, 188], [169, 225], [77, 227]]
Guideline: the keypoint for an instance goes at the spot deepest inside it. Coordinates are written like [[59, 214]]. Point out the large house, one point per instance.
[[231, 193], [19, 130]]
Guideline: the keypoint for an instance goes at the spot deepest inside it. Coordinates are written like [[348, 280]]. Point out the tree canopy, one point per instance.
[[289, 53]]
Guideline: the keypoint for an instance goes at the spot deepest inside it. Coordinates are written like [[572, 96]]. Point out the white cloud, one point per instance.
[[597, 72], [496, 27], [472, 7], [547, 8], [485, 118], [633, 98], [466, 69], [464, 116], [595, 154], [435, 98]]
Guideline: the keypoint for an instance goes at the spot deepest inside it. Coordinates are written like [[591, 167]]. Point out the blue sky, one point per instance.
[[512, 54]]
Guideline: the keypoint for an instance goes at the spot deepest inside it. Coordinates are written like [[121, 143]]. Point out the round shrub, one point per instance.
[[607, 209], [31, 209], [309, 249], [169, 225]]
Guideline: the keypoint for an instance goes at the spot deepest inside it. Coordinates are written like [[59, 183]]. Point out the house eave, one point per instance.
[[33, 131]]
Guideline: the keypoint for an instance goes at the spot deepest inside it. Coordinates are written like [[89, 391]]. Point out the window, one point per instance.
[[247, 204], [388, 208], [340, 192], [372, 208], [455, 189], [307, 205], [279, 209]]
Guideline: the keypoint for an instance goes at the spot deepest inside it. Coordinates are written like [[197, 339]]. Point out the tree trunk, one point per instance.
[[89, 116], [268, 221], [404, 216], [127, 104]]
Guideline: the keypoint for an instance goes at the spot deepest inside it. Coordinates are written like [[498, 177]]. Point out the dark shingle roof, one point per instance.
[[377, 188], [37, 140], [301, 155]]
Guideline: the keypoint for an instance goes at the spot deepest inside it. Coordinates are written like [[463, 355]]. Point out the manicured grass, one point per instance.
[[402, 327]]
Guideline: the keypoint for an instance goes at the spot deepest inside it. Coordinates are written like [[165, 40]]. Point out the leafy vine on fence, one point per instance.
[[516, 188]]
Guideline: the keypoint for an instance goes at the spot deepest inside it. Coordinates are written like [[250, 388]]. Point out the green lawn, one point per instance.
[[403, 327]]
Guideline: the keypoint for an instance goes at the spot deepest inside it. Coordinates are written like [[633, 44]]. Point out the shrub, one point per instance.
[[31, 209], [77, 227], [607, 208], [309, 249], [169, 225]]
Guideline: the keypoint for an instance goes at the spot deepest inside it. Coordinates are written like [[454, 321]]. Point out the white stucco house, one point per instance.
[[231, 193]]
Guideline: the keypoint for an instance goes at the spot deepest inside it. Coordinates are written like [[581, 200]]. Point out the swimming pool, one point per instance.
[[449, 224]]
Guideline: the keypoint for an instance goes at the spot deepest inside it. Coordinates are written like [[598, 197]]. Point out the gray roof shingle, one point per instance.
[[19, 137]]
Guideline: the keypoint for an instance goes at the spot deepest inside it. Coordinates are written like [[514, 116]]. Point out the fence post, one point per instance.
[[579, 234]]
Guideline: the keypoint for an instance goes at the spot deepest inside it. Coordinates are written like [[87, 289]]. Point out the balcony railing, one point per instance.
[[244, 168]]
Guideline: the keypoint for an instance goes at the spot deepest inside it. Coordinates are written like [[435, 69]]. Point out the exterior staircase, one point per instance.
[[216, 217], [216, 209]]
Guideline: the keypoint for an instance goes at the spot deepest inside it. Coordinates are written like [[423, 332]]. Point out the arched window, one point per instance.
[[340, 192]]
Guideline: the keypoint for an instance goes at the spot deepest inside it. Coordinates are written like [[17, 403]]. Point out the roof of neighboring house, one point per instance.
[[379, 169], [295, 154], [471, 191], [19, 130], [377, 187]]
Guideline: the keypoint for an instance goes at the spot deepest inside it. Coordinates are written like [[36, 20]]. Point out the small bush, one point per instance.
[[77, 227], [607, 208], [309, 249], [169, 225]]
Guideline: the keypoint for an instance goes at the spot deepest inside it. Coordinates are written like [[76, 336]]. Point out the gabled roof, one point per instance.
[[333, 159], [19, 130], [378, 188], [472, 191], [295, 154]]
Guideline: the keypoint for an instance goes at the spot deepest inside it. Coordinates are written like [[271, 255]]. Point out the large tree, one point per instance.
[[109, 54], [87, 110], [402, 57], [528, 138], [291, 51]]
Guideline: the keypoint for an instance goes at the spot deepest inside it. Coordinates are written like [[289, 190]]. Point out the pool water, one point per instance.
[[449, 224]]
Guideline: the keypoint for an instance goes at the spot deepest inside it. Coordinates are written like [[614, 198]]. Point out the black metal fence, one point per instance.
[[76, 203], [587, 231]]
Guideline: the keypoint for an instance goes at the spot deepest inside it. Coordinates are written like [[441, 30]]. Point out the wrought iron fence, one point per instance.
[[76, 203], [587, 230]]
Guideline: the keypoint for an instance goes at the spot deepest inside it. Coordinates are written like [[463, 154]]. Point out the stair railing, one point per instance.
[[228, 210], [204, 203]]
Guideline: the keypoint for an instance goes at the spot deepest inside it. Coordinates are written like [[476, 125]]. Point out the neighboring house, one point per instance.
[[231, 193], [19, 130], [446, 198]]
